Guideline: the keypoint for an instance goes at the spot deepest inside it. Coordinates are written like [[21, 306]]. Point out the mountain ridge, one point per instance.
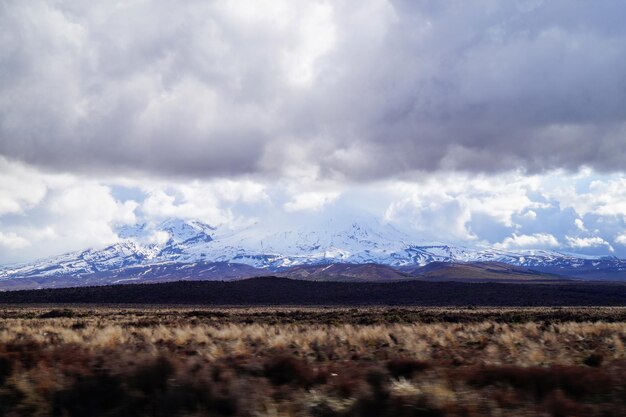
[[174, 246]]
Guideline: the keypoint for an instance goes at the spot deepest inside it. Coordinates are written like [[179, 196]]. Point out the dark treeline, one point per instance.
[[283, 291]]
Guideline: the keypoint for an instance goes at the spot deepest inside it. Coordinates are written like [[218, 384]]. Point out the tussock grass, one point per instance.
[[312, 362]]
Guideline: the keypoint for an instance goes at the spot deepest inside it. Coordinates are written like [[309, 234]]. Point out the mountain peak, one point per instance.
[[171, 230], [184, 230]]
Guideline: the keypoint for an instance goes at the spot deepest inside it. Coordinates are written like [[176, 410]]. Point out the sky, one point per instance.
[[476, 123]]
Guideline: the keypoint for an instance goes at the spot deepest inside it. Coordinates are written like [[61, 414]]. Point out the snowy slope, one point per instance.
[[273, 247]]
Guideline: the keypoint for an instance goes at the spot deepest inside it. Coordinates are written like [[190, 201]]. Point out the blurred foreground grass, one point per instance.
[[116, 361]]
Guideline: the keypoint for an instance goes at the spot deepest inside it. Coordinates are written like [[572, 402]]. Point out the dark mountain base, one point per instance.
[[283, 291]]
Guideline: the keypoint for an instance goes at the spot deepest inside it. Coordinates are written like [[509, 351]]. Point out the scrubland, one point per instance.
[[312, 362]]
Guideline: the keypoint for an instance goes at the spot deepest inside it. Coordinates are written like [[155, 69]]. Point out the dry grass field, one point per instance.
[[121, 361]]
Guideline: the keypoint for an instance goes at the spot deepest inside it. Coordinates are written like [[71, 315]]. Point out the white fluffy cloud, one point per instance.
[[443, 206], [12, 241], [589, 192], [86, 213], [19, 187], [211, 202], [535, 241], [310, 201], [621, 239], [587, 242], [46, 214], [510, 211], [193, 205]]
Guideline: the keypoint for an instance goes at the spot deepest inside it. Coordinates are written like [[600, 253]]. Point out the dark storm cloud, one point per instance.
[[354, 89]]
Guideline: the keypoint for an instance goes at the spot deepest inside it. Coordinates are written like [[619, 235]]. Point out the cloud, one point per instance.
[[310, 201], [460, 207], [159, 237], [20, 188], [349, 90], [211, 202], [587, 242], [535, 241], [13, 241], [48, 214], [160, 204], [86, 214], [513, 210]]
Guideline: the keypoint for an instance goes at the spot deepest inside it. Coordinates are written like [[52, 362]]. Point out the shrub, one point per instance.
[[594, 360], [283, 369], [152, 378], [406, 367], [96, 395], [53, 314], [575, 381]]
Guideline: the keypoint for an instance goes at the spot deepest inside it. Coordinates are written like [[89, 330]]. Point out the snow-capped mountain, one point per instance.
[[173, 246]]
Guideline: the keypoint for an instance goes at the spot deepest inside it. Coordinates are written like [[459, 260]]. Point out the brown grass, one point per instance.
[[312, 362]]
